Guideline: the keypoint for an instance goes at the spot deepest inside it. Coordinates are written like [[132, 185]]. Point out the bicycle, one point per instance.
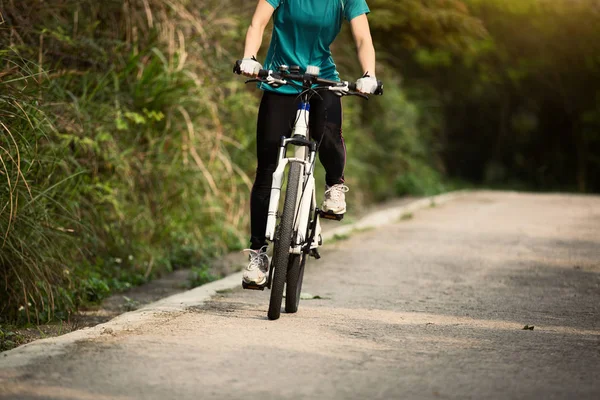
[[298, 234]]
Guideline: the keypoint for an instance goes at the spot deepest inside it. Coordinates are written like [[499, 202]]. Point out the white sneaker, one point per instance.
[[258, 267], [335, 199]]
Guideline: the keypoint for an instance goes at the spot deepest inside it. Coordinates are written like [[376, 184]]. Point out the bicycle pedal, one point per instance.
[[253, 286], [331, 216]]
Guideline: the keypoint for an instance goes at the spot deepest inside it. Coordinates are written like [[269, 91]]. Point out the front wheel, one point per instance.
[[283, 241]]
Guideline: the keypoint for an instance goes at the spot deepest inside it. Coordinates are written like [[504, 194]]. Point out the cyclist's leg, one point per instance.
[[326, 128], [275, 119]]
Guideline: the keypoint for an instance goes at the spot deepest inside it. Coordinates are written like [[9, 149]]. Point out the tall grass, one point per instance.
[[127, 146], [35, 224], [120, 108]]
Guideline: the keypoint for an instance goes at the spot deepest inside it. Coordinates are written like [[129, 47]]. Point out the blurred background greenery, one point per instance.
[[127, 146]]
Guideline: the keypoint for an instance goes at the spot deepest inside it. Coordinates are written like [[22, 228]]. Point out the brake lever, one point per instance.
[[253, 80], [364, 96]]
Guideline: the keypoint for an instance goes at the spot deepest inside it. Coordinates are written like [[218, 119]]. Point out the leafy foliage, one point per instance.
[[127, 146], [131, 150], [441, 25], [519, 104], [121, 166]]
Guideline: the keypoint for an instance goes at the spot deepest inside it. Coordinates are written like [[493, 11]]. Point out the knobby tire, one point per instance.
[[293, 287], [281, 248]]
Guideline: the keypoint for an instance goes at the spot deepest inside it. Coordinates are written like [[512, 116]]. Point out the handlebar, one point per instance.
[[308, 80]]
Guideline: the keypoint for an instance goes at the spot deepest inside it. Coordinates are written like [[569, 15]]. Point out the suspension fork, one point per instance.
[[306, 200], [300, 139]]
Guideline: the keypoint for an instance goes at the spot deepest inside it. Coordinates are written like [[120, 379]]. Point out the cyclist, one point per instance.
[[302, 34]]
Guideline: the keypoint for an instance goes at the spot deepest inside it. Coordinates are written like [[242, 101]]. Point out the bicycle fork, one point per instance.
[[306, 189], [306, 195]]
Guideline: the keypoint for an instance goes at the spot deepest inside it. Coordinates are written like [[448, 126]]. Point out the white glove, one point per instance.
[[367, 84], [250, 67]]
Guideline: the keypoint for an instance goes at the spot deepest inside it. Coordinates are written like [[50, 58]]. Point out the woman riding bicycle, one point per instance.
[[302, 34]]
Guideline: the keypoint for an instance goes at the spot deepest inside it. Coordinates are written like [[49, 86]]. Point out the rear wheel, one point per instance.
[[283, 241], [293, 288]]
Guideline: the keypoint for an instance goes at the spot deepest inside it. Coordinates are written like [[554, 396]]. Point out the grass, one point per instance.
[[36, 222], [340, 237], [129, 149], [200, 276], [9, 339], [406, 216], [130, 304], [124, 170]]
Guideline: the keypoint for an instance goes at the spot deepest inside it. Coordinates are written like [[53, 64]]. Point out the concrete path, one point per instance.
[[431, 307]]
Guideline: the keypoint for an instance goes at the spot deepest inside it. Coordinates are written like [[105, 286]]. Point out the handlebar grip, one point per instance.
[[379, 90], [237, 68]]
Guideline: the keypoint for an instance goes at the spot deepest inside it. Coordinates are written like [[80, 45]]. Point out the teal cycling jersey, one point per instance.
[[303, 31]]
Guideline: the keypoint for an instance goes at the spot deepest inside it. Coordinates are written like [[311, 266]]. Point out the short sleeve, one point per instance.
[[274, 3], [354, 8]]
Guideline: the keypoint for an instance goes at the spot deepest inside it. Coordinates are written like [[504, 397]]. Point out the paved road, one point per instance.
[[427, 308]]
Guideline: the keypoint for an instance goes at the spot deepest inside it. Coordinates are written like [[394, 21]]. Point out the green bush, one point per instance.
[[391, 149], [37, 218], [199, 276], [127, 147], [120, 165]]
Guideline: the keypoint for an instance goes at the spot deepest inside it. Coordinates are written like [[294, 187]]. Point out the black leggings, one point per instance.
[[276, 118]]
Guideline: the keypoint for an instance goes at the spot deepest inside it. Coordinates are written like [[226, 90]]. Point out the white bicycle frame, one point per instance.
[[306, 190]]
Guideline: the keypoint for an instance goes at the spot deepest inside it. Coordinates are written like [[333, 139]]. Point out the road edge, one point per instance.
[[129, 321]]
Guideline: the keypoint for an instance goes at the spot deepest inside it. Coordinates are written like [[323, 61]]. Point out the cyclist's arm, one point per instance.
[[261, 18], [364, 43]]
